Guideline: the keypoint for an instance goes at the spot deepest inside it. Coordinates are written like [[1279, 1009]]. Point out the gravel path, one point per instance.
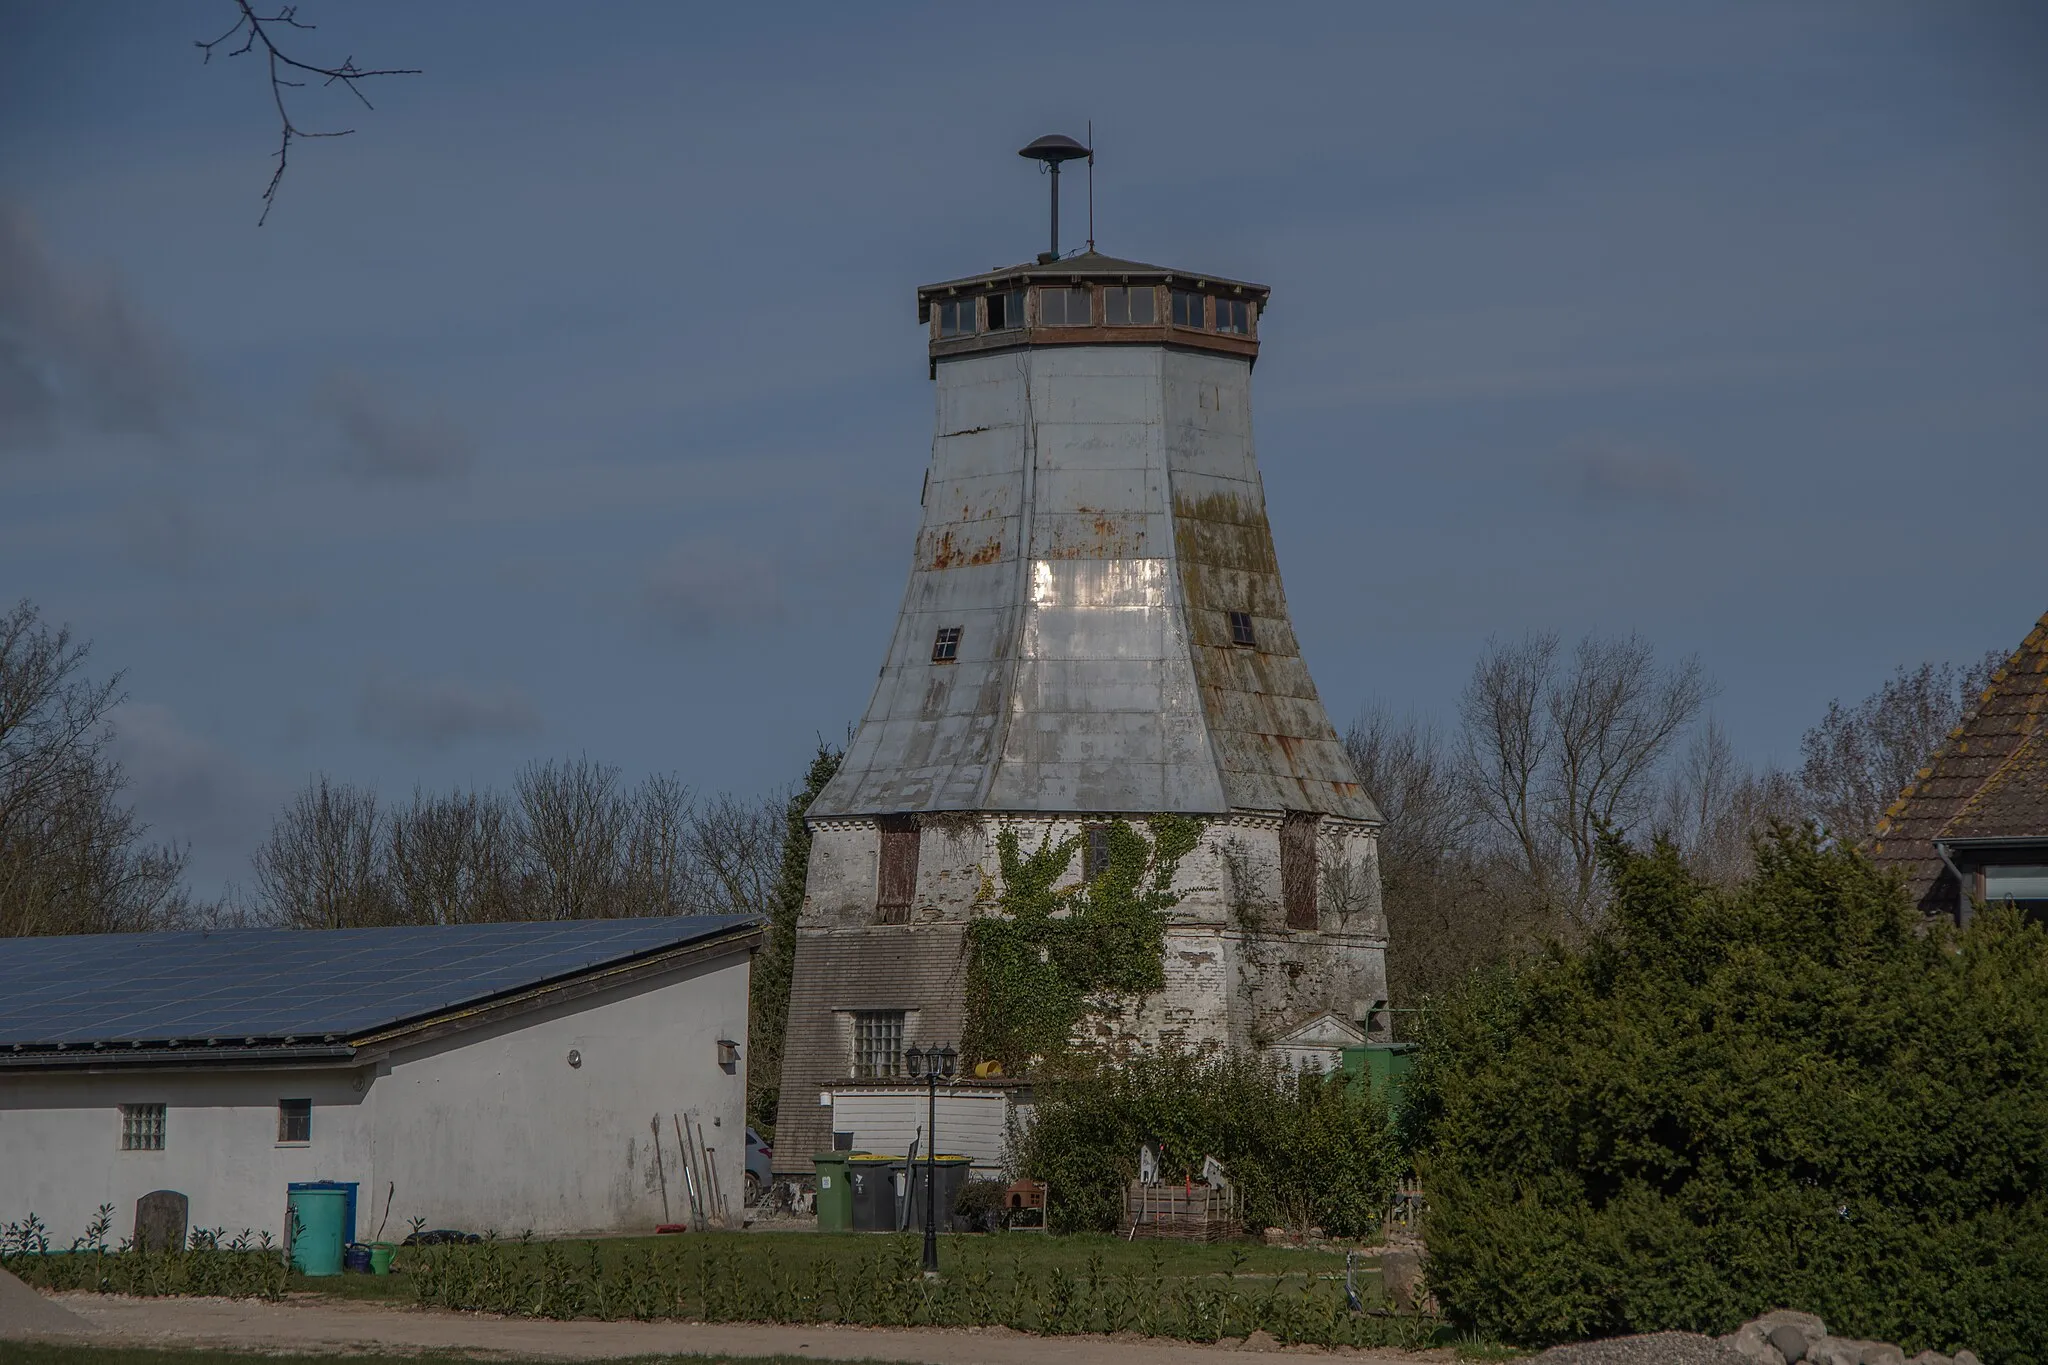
[[1658, 1348], [320, 1324]]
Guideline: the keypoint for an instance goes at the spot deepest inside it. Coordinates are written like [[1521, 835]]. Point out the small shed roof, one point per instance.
[[307, 991]]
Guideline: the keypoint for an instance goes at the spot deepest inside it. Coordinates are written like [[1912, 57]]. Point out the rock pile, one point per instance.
[[1787, 1338]]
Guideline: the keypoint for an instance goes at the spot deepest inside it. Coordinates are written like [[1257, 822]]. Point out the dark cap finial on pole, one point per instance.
[[1053, 149]]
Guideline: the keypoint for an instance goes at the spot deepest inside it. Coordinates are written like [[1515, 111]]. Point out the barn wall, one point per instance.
[[489, 1128]]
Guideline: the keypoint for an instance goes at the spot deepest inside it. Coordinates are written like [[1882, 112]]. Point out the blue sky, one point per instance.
[[577, 403]]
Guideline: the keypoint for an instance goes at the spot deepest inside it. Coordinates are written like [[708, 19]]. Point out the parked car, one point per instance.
[[758, 1167]]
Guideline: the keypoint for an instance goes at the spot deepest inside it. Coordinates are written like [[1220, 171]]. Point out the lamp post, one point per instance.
[[930, 1064]]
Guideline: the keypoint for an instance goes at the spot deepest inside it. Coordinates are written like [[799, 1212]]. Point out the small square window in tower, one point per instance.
[[956, 318], [1062, 307], [1094, 851], [896, 877], [1233, 315], [1298, 868], [946, 645], [142, 1127], [1129, 307], [1241, 631], [1187, 309], [877, 1044], [1006, 310], [295, 1120]]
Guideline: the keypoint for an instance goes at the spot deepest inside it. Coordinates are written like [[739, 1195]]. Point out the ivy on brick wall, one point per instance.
[[1034, 962]]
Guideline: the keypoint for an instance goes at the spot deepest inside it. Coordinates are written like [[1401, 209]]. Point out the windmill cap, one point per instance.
[[1054, 148]]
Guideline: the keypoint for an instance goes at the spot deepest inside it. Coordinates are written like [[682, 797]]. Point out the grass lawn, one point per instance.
[[1001, 1255], [30, 1353]]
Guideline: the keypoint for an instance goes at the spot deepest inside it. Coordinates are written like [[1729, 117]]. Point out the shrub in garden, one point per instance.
[[1793, 1093], [1306, 1151]]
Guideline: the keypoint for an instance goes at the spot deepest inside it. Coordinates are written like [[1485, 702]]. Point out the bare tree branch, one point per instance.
[[255, 32]]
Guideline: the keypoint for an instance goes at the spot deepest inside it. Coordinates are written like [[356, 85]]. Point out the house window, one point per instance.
[[295, 1120], [1298, 868], [1129, 307], [1241, 631], [1062, 307], [1006, 310], [1187, 309], [946, 645], [896, 880], [1233, 315], [877, 1044], [142, 1127], [1094, 851], [956, 318]]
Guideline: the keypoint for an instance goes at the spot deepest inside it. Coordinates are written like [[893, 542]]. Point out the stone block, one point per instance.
[[1401, 1277], [160, 1218], [1750, 1342]]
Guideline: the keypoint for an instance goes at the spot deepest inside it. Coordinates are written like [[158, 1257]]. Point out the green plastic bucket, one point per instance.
[[317, 1241], [380, 1257]]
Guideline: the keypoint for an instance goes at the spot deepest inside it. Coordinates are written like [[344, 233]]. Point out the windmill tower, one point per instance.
[[1094, 632]]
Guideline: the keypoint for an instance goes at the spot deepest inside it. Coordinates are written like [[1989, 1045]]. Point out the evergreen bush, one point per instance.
[[1796, 1093], [1307, 1151]]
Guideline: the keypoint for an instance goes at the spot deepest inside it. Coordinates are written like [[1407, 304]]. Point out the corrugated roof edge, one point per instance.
[[739, 933]]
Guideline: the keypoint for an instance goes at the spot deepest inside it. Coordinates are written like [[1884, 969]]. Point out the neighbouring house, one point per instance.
[[1971, 828], [484, 1076], [1317, 1045]]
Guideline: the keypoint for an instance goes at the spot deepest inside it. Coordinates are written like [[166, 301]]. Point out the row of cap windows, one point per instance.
[[1074, 307]]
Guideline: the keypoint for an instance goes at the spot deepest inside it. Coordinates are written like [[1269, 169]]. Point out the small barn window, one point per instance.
[[896, 882], [1241, 631], [1094, 851], [877, 1044], [1005, 310], [1129, 307], [1062, 307], [142, 1127], [295, 1120], [956, 318], [1232, 315], [1298, 868], [946, 645], [1187, 309]]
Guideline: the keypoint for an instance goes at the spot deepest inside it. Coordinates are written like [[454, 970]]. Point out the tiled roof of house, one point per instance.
[[1989, 778]]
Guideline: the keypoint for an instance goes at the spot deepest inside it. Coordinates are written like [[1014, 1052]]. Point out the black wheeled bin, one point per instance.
[[950, 1173], [869, 1179]]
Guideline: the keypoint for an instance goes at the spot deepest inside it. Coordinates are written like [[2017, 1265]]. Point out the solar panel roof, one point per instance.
[[277, 983]]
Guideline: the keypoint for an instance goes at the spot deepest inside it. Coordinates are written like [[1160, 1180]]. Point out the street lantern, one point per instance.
[[929, 1065]]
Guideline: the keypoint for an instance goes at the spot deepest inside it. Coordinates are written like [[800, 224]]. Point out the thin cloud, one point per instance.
[[189, 789], [384, 442], [436, 713], [74, 355], [1619, 471], [703, 587]]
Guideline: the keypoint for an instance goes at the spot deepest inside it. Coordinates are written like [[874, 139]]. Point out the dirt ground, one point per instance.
[[316, 1323]]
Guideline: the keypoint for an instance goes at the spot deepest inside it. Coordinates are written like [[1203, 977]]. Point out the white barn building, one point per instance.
[[481, 1077]]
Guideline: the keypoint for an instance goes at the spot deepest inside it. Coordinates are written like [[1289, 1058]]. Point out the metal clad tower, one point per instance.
[[1094, 627]]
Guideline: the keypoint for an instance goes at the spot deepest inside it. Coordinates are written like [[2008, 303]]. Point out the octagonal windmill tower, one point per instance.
[[1094, 634]]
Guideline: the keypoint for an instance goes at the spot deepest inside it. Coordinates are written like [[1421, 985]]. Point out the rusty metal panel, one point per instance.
[[1092, 517]]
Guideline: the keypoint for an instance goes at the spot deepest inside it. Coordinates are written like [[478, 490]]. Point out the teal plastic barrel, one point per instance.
[[317, 1243]]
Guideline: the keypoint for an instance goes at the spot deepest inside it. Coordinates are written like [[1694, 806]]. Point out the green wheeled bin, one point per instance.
[[835, 1195], [874, 1190], [317, 1230]]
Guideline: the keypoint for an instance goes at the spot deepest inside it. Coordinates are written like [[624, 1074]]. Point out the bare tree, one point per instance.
[[453, 859], [736, 854], [573, 836], [1859, 758], [260, 32], [72, 856], [1558, 752], [1714, 807], [322, 866], [1453, 896]]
